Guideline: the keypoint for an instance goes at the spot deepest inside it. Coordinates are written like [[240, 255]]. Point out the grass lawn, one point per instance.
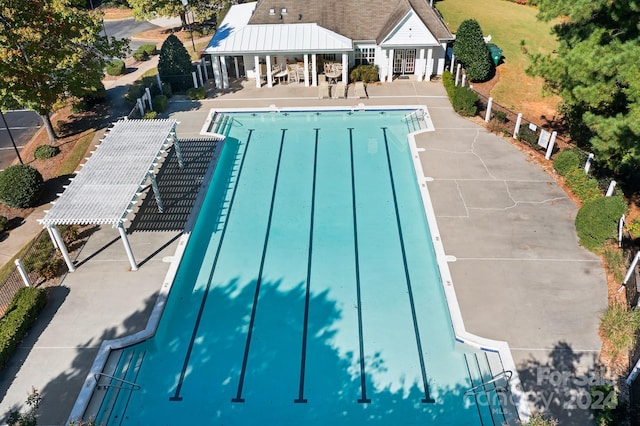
[[509, 23]]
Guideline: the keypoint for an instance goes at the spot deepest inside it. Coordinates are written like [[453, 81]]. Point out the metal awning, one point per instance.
[[111, 180]]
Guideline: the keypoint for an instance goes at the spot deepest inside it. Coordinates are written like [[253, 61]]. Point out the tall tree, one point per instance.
[[51, 50], [595, 70], [174, 64], [471, 49]]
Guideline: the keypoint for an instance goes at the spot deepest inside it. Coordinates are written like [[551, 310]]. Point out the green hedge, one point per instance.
[[160, 103], [463, 99], [597, 221], [199, 93], [115, 67], [525, 134], [20, 186], [584, 186], [17, 320], [4, 223], [365, 73], [143, 52], [566, 161], [46, 151]]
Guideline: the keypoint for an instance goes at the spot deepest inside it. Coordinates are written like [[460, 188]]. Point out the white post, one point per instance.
[[631, 268], [421, 66], [195, 79], [148, 92], [429, 64], [390, 66], [453, 63], [552, 142], [620, 229], [458, 74], [23, 273], [62, 248], [345, 68], [587, 165], [256, 61], [199, 69], [225, 72], [487, 116], [140, 106], [53, 239], [306, 70], [127, 247], [203, 62], [464, 79], [236, 66], [634, 373], [314, 70], [159, 83], [612, 187], [215, 67], [269, 76], [517, 128]]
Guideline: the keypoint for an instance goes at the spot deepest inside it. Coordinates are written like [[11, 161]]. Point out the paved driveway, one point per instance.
[[23, 125]]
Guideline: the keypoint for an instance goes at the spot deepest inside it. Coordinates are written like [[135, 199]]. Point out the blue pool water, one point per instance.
[[309, 292]]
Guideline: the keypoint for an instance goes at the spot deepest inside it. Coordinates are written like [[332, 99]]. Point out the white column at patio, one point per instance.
[[53, 231], [345, 68], [420, 68], [306, 70], [429, 64], [225, 74], [127, 247], [390, 66], [256, 73], [217, 77], [269, 73], [314, 70], [235, 65]]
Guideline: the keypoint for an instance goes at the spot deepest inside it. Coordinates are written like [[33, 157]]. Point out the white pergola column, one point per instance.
[[256, 61], [420, 70], [314, 70], [127, 247], [225, 74], [429, 64], [176, 145], [269, 74], [306, 70], [345, 68], [390, 66], [235, 65], [63, 249], [156, 192], [203, 62], [215, 65]]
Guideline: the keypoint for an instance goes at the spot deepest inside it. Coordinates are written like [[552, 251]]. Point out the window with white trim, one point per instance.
[[365, 55]]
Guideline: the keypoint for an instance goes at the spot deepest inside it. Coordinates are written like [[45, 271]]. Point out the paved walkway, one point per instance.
[[519, 273]]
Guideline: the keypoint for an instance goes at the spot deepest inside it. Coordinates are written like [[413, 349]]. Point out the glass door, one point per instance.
[[404, 61]]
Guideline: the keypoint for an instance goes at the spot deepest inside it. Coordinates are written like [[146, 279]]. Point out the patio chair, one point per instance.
[[323, 90], [360, 90], [340, 90], [293, 74]]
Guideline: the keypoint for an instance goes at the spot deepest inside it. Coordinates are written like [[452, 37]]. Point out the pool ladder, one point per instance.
[[415, 120], [489, 391], [97, 376]]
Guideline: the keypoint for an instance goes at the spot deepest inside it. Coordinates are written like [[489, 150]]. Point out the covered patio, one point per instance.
[[110, 183]]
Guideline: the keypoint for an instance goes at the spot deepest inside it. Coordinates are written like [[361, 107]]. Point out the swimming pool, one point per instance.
[[309, 291]]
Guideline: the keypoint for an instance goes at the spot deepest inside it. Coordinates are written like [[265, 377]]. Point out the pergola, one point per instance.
[[111, 181]]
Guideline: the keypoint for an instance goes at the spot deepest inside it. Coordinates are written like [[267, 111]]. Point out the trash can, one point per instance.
[[495, 52]]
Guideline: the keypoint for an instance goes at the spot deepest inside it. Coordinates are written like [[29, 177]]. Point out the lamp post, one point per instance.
[[185, 3], [10, 136]]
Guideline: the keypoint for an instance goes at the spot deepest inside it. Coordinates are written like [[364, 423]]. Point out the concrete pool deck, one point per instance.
[[519, 272]]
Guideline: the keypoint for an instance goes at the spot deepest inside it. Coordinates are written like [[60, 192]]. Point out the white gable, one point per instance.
[[411, 31]]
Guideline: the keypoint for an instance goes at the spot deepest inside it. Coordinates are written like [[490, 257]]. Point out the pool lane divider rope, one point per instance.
[[363, 379], [247, 347], [427, 397], [305, 327], [183, 372]]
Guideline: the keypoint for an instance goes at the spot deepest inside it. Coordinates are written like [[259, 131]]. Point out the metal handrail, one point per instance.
[[499, 376], [133, 385], [412, 113]]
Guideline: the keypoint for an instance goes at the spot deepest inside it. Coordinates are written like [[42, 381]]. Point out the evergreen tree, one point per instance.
[[471, 49], [174, 64], [51, 50], [595, 71]]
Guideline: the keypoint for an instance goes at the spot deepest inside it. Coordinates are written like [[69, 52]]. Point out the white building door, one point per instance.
[[404, 61]]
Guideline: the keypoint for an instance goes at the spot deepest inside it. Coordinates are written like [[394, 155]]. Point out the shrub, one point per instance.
[[566, 161], [20, 315], [525, 134], [607, 409], [46, 151], [583, 186], [140, 55], [365, 73], [20, 186], [199, 93], [115, 67], [597, 221], [500, 116], [167, 90], [620, 326], [448, 82], [174, 64], [149, 49], [160, 103], [634, 227], [465, 101], [471, 49], [4, 223], [150, 115], [615, 263], [136, 90]]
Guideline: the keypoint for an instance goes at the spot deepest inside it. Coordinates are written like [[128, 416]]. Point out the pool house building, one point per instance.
[[304, 41]]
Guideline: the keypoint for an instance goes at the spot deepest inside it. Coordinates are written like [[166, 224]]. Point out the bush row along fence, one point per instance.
[[42, 264]]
